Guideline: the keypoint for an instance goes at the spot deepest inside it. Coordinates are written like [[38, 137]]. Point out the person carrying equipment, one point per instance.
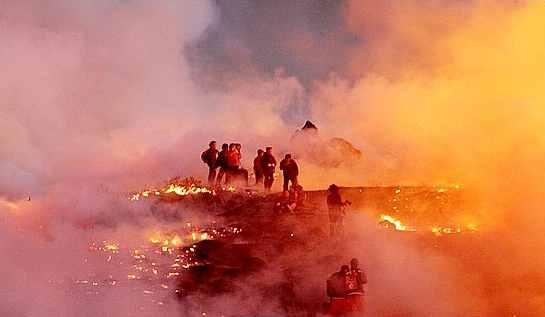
[[335, 206]]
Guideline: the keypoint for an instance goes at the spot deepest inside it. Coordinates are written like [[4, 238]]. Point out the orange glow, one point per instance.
[[180, 188]]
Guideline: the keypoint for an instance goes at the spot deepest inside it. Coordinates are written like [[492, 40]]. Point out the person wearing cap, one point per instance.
[[258, 168], [268, 162], [209, 157], [335, 206], [290, 171], [355, 279], [336, 291]]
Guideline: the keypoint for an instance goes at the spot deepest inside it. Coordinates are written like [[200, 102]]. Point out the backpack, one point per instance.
[[204, 157]]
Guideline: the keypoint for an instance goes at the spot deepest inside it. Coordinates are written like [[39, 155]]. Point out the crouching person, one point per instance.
[[336, 291]]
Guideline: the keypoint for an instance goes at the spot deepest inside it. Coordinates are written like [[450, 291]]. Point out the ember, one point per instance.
[[153, 266]]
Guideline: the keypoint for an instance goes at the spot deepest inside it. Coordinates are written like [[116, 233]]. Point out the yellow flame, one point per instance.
[[398, 225], [111, 247], [173, 188], [176, 240]]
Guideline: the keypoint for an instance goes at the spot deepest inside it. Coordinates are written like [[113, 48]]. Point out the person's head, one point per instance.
[[268, 149], [212, 144], [354, 263], [238, 146], [232, 146], [344, 269], [225, 147], [288, 157], [260, 152], [333, 188]]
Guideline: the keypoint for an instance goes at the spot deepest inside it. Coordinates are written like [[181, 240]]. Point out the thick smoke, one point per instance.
[[102, 94], [469, 115], [99, 98], [452, 94]]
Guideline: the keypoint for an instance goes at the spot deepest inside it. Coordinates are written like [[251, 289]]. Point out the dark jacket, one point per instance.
[[222, 159], [258, 168], [334, 200], [289, 168], [268, 162], [336, 285], [210, 157]]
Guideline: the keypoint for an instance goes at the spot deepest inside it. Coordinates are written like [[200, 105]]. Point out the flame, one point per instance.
[[180, 188], [111, 247], [398, 225], [176, 241], [184, 191], [444, 189], [437, 230], [177, 189], [160, 259], [168, 241]]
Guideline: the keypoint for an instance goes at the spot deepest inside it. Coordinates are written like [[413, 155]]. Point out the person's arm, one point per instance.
[[296, 168], [363, 278]]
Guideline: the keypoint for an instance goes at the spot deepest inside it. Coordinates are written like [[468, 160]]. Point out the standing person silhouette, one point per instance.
[[268, 162]]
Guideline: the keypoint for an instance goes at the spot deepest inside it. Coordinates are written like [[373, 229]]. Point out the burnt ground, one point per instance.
[[279, 261], [261, 258]]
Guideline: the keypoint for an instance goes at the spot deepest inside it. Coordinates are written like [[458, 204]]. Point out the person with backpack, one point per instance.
[[209, 157]]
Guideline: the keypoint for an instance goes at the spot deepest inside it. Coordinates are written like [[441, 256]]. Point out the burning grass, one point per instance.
[[179, 187]]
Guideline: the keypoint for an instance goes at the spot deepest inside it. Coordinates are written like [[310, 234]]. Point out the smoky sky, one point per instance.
[[264, 36]]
